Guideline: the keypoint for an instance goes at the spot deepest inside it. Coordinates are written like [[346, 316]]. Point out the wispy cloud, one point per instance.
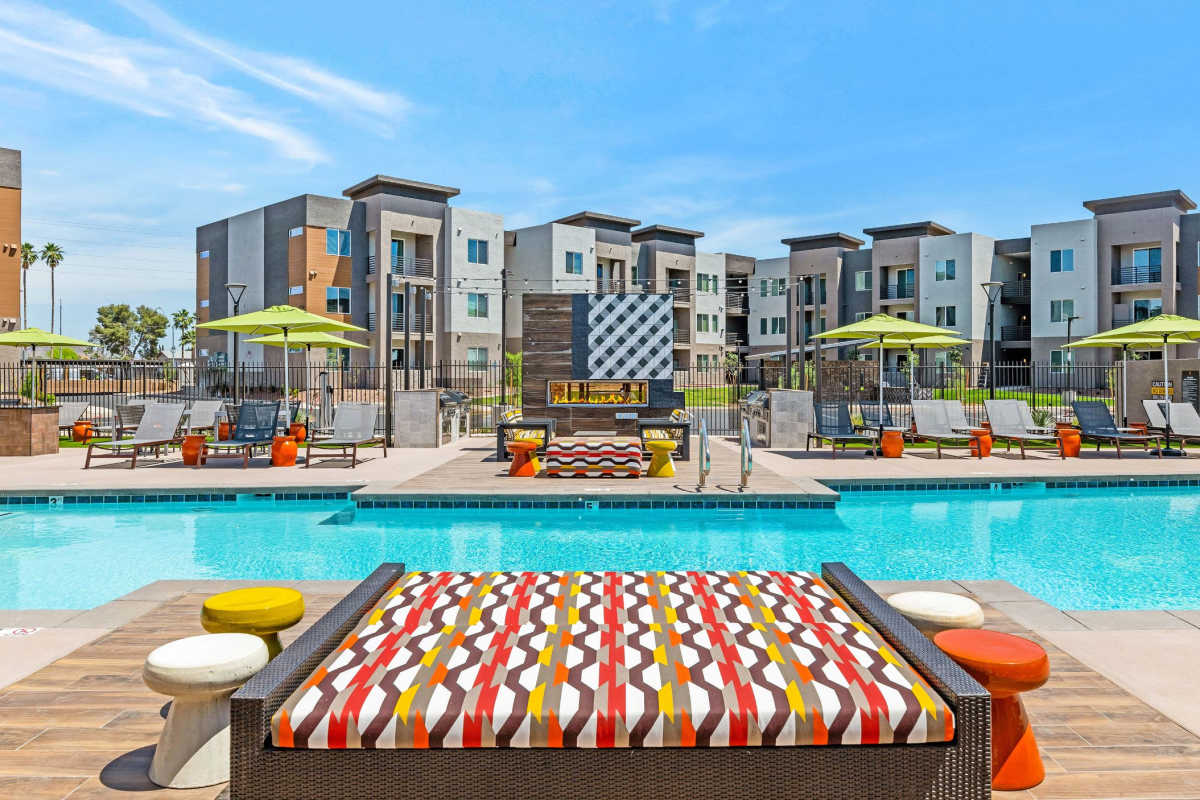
[[287, 73], [708, 15], [67, 53], [232, 188]]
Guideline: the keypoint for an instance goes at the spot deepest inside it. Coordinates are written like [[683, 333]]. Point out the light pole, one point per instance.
[[991, 290], [236, 290], [1070, 354]]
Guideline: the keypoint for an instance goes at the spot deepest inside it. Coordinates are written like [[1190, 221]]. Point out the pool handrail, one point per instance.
[[705, 454]]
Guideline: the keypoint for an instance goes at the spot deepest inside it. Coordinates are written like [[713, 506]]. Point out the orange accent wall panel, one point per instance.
[[202, 288], [10, 257], [329, 271]]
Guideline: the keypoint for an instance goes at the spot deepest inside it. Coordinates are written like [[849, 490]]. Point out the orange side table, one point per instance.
[[1005, 665], [892, 444], [193, 444], [981, 442], [81, 431], [283, 451], [524, 462], [1069, 442]]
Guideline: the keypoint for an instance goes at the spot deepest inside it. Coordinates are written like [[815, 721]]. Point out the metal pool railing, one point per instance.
[[747, 455], [705, 454]]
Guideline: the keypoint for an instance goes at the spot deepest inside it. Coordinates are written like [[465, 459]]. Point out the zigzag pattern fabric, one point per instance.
[[611, 659], [629, 336], [594, 457]]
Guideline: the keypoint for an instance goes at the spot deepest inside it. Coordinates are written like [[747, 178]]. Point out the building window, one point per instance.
[[946, 316], [633, 272], [1062, 260], [944, 270], [295, 290], [1145, 309], [203, 351], [762, 287], [337, 300], [204, 254], [477, 304], [1060, 360], [706, 282], [337, 242], [762, 326], [477, 358], [1061, 309], [294, 232], [337, 358], [778, 325], [862, 281], [574, 263], [204, 304], [780, 283], [702, 323], [859, 316], [477, 251], [1147, 257]]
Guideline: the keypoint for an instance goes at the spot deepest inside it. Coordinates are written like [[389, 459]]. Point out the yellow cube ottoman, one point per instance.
[[260, 610]]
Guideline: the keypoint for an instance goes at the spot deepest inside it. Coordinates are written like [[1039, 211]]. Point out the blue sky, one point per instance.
[[140, 121]]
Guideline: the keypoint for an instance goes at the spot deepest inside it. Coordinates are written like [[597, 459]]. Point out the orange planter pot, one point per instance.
[[1068, 439], [981, 445], [892, 444], [193, 445], [225, 430], [298, 430], [283, 451], [81, 431]]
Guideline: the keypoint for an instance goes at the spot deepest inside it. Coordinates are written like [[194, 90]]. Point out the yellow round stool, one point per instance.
[[261, 610], [661, 465]]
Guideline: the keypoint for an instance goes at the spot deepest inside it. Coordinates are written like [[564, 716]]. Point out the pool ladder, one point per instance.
[[747, 455], [705, 454]]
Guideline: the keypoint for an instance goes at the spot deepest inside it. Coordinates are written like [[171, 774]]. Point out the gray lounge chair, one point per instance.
[[255, 428], [873, 420], [203, 415], [1008, 425], [1096, 425], [834, 426], [933, 423], [158, 428], [1184, 423], [353, 427], [69, 414]]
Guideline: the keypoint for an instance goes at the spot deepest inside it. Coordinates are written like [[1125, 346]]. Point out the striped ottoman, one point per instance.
[[594, 457]]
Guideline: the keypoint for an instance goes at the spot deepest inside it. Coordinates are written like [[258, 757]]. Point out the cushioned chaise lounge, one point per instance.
[[1096, 425], [932, 418], [608, 684], [158, 427], [353, 427], [1007, 418], [833, 425]]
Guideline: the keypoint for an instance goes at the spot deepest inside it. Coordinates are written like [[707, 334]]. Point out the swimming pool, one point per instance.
[[1076, 549]]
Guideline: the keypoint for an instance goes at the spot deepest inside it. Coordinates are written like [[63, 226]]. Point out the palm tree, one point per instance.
[[181, 321], [29, 257], [52, 256]]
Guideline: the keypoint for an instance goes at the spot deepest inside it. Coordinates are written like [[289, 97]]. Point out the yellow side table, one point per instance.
[[261, 610], [661, 465]]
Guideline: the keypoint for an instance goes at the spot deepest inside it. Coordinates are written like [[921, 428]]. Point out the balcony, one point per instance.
[[615, 286], [681, 291], [1016, 292], [406, 267], [1130, 275], [681, 337], [398, 322], [1016, 333], [737, 303], [901, 291], [735, 339]]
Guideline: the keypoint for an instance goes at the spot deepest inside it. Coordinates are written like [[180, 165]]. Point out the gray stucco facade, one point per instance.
[[10, 168]]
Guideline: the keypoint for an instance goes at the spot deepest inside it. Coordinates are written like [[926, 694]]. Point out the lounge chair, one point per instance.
[[69, 414], [834, 426], [933, 423], [1008, 426], [675, 428], [1096, 425], [353, 427], [956, 416], [255, 428], [513, 425], [158, 428], [1184, 423], [545, 726], [873, 420], [203, 415]]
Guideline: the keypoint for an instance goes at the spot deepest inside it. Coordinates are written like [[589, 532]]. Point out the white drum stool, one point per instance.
[[933, 612], [199, 672]]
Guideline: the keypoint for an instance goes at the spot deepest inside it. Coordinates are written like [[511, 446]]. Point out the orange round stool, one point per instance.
[[524, 462], [892, 444], [1069, 442], [1005, 665], [981, 442]]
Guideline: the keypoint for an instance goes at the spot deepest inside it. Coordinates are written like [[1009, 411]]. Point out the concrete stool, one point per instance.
[[933, 612], [200, 672], [661, 465], [261, 610]]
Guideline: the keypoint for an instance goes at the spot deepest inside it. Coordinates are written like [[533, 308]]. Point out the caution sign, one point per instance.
[[1156, 389]]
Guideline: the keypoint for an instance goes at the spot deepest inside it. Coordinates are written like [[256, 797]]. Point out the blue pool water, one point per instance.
[[1076, 549]]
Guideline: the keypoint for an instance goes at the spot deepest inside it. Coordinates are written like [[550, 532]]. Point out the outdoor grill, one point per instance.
[[456, 414]]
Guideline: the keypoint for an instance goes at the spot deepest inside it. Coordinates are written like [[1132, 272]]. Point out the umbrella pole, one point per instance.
[[33, 376], [879, 441], [1167, 450], [287, 394], [1124, 384]]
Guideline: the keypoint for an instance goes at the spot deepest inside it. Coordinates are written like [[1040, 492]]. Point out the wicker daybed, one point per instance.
[[446, 684]]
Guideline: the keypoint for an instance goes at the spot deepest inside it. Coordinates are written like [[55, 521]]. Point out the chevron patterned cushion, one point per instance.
[[611, 659], [617, 456]]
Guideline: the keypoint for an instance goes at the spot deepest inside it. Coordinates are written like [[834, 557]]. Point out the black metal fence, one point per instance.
[[711, 393]]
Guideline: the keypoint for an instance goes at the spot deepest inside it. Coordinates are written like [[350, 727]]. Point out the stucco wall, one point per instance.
[[1082, 285]]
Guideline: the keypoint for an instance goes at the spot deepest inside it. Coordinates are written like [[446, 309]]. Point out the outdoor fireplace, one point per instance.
[[597, 393]]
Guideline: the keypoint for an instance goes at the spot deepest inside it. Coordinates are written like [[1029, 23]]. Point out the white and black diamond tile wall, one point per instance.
[[629, 336]]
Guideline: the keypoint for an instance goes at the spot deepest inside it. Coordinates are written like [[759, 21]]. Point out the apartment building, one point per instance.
[[391, 253], [10, 239]]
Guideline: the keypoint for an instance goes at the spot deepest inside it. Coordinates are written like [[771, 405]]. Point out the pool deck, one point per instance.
[[85, 725]]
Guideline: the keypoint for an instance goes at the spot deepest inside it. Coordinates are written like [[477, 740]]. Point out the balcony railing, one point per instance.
[[897, 291], [1016, 333], [681, 336], [737, 303], [398, 322], [1127, 275], [681, 291], [612, 286], [1014, 291], [734, 340], [406, 267]]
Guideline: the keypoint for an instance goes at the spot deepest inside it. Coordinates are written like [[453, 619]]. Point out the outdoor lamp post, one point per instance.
[[1071, 354], [236, 290], [991, 290]]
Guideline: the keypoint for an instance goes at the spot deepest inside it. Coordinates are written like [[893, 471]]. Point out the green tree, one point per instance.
[[52, 255], [113, 330], [181, 321], [29, 257], [148, 332]]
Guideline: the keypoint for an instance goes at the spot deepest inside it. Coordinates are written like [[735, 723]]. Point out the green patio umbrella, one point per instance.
[[34, 338], [1126, 343], [308, 339], [884, 328], [283, 320], [934, 341], [1167, 329]]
